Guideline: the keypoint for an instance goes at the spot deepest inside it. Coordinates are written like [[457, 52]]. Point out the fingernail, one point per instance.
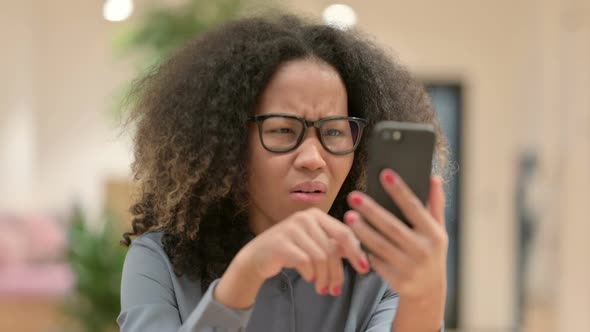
[[312, 280], [324, 291], [389, 177], [356, 200], [349, 218], [336, 290], [364, 265]]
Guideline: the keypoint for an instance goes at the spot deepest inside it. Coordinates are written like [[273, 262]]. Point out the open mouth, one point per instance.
[[309, 191], [307, 196]]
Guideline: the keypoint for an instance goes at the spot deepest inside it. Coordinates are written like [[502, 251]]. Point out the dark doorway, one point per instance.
[[447, 100]]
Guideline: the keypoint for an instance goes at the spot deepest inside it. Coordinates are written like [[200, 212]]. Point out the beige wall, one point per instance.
[[524, 66], [572, 165], [17, 136], [78, 145], [63, 75]]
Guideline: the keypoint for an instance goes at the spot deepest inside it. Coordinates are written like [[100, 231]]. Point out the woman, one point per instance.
[[249, 153]]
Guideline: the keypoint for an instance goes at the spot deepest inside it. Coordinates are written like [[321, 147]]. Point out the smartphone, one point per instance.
[[408, 149]]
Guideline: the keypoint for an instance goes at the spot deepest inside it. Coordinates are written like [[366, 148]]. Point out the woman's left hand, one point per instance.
[[411, 260]]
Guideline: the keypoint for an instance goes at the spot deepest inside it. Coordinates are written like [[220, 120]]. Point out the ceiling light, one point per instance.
[[117, 10], [339, 16]]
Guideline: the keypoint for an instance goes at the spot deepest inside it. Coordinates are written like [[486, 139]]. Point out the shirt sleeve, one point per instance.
[[382, 318], [148, 302]]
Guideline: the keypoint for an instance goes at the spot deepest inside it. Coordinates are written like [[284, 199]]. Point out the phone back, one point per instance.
[[407, 148]]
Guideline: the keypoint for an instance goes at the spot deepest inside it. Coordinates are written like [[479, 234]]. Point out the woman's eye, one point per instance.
[[333, 132], [281, 131]]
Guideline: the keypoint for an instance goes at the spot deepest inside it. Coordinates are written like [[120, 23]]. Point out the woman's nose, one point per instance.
[[310, 154]]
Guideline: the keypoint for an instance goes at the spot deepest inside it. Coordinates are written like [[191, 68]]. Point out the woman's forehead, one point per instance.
[[306, 88]]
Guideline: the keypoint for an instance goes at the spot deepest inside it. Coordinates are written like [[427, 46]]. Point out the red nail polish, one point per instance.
[[364, 265], [312, 280], [389, 177], [324, 291], [349, 219], [336, 290], [356, 200]]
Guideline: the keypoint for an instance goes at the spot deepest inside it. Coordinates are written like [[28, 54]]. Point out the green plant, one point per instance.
[[96, 259], [163, 29]]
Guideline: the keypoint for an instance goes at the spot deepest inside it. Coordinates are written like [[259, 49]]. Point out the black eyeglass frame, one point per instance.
[[362, 123]]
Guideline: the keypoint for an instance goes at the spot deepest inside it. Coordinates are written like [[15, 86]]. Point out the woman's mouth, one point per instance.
[[307, 196], [309, 192]]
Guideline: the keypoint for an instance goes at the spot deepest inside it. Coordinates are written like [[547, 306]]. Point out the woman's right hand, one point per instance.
[[310, 241]]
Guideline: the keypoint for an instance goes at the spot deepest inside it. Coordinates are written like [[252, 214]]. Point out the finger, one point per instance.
[[335, 269], [375, 242], [295, 257], [409, 204], [318, 254], [347, 242], [321, 259], [384, 221], [312, 250], [436, 200], [335, 275]]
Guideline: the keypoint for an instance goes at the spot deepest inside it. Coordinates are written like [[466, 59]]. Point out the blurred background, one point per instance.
[[510, 81]]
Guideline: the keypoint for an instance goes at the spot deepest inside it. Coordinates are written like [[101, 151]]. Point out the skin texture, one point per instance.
[[308, 89]]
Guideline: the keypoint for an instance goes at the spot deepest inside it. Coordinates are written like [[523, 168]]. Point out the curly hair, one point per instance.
[[191, 113]]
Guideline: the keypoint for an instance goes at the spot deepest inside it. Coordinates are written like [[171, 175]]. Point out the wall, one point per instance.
[[17, 99], [60, 142]]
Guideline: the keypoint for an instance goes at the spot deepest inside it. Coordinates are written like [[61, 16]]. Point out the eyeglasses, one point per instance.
[[283, 133]]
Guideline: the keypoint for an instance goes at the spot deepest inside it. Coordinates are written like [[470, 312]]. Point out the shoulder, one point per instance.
[[149, 243], [152, 239], [146, 256], [147, 272]]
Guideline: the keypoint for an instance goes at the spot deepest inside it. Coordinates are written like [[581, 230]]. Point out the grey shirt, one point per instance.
[[154, 299]]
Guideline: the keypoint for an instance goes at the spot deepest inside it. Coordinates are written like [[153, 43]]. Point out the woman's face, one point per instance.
[[279, 182]]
